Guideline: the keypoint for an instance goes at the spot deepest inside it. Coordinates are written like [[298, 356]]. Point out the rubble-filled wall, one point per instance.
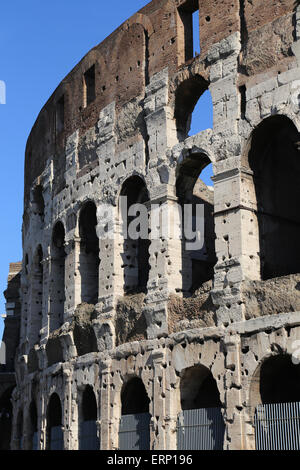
[[113, 313]]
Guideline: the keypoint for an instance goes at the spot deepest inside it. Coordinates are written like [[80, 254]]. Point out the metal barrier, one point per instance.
[[56, 438], [277, 426], [201, 429], [88, 439], [134, 432]]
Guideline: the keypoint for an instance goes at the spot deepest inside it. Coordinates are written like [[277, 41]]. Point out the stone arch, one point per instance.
[[197, 262], [134, 398], [198, 388], [57, 277], [275, 380], [54, 440], [88, 415], [135, 249], [272, 157], [89, 253], [187, 94]]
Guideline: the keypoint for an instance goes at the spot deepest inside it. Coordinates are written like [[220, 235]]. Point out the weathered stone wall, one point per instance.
[[136, 129]]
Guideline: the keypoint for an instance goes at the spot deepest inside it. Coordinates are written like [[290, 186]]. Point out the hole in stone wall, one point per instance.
[[188, 30], [89, 86]]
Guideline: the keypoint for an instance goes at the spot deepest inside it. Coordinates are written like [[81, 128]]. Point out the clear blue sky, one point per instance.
[[40, 42]]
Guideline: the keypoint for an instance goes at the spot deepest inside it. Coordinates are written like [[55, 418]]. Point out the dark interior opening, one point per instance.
[[89, 85], [134, 397], [57, 289], [89, 254], [189, 31], [280, 380], [274, 160], [89, 404], [191, 189], [198, 389], [135, 256]]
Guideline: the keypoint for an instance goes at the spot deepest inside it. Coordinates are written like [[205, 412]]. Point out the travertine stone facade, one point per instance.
[[99, 311]]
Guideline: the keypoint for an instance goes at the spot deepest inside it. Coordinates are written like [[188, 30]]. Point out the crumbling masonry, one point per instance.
[[110, 327]]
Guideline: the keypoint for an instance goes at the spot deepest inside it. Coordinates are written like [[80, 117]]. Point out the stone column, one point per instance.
[[67, 422], [72, 277], [158, 437], [105, 424], [165, 260], [237, 241], [234, 415]]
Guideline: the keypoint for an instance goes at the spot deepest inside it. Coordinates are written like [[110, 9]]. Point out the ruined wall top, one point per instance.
[[152, 39]]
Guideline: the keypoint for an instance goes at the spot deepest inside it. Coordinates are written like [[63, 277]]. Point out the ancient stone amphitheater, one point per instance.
[[114, 342]]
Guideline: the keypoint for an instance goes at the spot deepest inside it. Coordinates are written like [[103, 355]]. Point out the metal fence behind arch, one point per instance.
[[134, 432], [201, 429], [277, 426]]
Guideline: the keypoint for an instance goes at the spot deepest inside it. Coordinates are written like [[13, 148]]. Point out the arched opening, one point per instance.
[[19, 435], [275, 163], [134, 431], [196, 197], [200, 424], [57, 288], [89, 254], [135, 256], [36, 310], [55, 439], [277, 418], [186, 98], [33, 436], [88, 438], [5, 419]]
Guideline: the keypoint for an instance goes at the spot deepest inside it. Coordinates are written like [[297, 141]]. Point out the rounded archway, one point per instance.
[[274, 161], [187, 96], [88, 434], [200, 423], [89, 253], [134, 430], [57, 287], [135, 255], [54, 424], [275, 389], [196, 197]]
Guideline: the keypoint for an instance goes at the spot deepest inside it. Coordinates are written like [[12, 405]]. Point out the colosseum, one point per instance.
[[117, 342]]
